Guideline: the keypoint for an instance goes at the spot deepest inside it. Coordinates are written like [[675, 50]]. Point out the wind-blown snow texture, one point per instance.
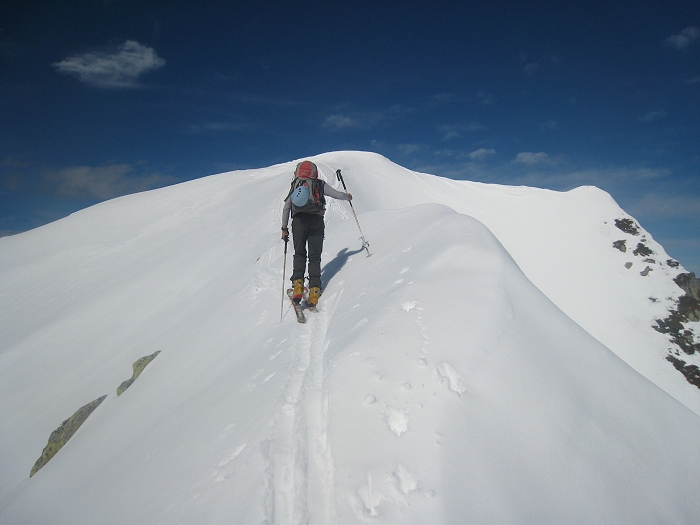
[[442, 381]]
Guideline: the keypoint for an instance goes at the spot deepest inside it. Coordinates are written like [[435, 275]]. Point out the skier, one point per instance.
[[307, 204]]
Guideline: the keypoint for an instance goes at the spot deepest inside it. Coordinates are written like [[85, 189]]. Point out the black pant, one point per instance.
[[308, 228]]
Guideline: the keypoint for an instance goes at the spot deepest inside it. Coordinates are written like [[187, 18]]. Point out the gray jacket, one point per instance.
[[327, 191]]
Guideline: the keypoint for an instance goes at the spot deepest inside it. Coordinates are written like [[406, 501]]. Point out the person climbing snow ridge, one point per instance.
[[307, 204]]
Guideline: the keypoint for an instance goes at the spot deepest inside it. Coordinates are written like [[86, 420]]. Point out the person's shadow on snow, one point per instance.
[[333, 267]]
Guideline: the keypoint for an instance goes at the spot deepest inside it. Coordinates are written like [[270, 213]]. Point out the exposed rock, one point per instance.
[[689, 284], [62, 434], [687, 310], [643, 250], [620, 245], [628, 265], [125, 384], [672, 263], [650, 261], [689, 304], [645, 272], [627, 226], [691, 372], [138, 367]]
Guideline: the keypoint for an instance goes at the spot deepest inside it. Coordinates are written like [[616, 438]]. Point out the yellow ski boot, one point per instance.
[[314, 294], [298, 294]]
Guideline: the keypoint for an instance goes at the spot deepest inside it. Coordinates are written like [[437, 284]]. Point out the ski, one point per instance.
[[297, 306]]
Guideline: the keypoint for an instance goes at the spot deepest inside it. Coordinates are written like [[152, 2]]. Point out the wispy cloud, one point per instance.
[[668, 206], [364, 119], [528, 157], [652, 116], [340, 121], [119, 69], [693, 80], [682, 40], [481, 153], [100, 183], [609, 179], [456, 131], [407, 149]]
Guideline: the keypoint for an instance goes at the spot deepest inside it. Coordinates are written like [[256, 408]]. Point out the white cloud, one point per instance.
[[693, 80], [455, 131], [684, 38], [340, 122], [407, 149], [527, 157], [652, 115], [611, 179], [112, 70], [364, 119], [665, 206], [481, 153], [100, 183]]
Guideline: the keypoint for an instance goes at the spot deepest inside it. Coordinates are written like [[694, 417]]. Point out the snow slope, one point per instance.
[[563, 243], [437, 384]]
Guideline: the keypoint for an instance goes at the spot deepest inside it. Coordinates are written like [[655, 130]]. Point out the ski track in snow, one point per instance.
[[302, 465]]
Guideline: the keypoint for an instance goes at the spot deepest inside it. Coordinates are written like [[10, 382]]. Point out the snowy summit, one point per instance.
[[495, 360]]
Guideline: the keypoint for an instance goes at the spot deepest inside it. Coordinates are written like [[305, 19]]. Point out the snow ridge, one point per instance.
[[475, 369]]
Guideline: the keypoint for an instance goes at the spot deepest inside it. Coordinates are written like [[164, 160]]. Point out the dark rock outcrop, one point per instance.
[[691, 372], [689, 284], [627, 226], [138, 367], [687, 310], [643, 250], [62, 434], [620, 245]]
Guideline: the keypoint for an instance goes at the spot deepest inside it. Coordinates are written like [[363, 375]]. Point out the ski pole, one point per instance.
[[365, 244], [284, 275]]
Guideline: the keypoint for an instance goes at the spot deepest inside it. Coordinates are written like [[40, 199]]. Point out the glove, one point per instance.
[[285, 234]]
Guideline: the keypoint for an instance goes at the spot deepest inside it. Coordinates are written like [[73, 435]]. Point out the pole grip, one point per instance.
[[340, 178]]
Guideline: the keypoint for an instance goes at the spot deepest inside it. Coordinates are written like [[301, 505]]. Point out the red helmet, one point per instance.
[[306, 170]]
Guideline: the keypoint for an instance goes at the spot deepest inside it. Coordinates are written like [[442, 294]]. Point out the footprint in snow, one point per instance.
[[409, 305], [397, 420], [405, 480], [449, 377], [361, 322]]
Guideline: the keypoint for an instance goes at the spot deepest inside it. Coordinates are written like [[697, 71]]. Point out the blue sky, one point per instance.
[[103, 98]]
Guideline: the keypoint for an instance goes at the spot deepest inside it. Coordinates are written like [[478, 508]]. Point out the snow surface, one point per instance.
[[492, 362]]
